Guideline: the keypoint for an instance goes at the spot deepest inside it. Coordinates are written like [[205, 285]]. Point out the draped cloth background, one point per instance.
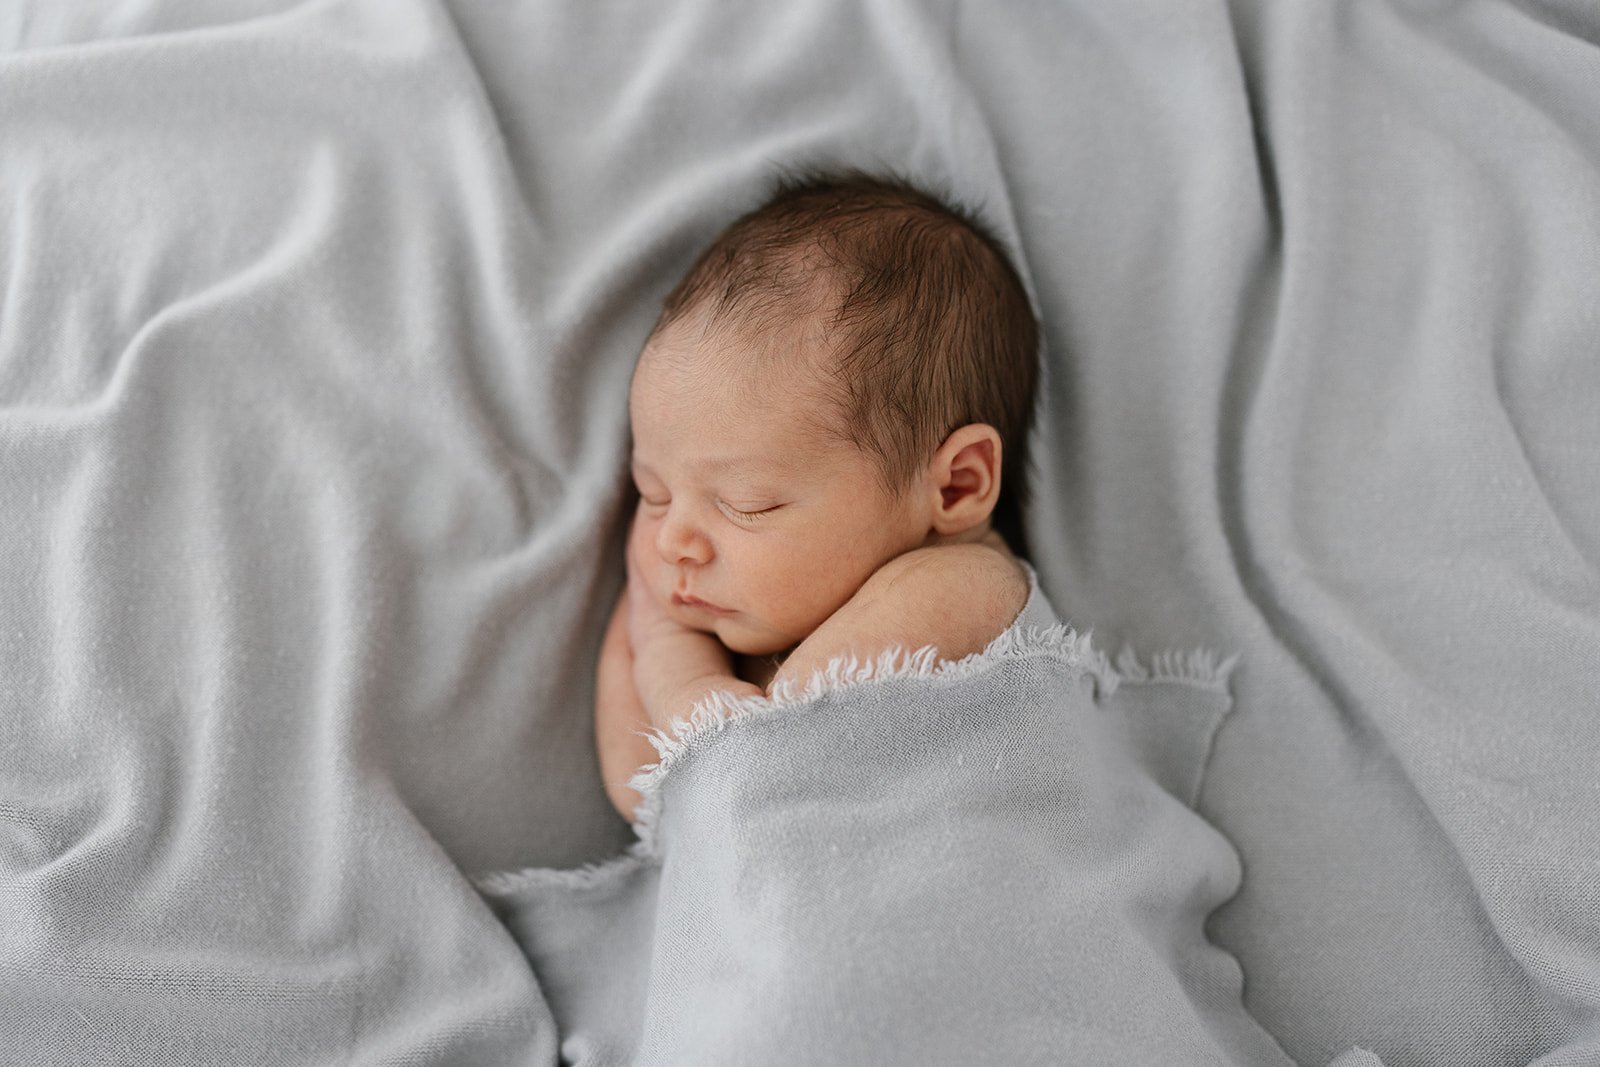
[[315, 326]]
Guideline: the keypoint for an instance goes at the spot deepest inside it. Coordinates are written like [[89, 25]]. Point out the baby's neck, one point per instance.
[[982, 534], [759, 670]]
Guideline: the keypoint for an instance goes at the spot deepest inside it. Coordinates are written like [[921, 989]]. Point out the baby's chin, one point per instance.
[[742, 634], [749, 640]]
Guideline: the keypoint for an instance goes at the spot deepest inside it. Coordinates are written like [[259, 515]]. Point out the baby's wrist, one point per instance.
[[682, 699], [674, 671], [674, 649]]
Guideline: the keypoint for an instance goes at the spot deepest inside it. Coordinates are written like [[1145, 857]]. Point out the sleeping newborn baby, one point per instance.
[[820, 418]]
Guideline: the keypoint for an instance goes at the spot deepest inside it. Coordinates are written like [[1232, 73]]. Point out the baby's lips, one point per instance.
[[702, 605]]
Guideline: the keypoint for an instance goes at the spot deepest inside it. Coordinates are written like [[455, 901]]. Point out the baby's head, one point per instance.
[[836, 381]]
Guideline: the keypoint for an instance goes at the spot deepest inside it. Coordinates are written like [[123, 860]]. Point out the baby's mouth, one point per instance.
[[683, 600]]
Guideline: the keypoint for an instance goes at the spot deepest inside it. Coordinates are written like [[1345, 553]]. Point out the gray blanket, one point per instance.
[[990, 861], [315, 326]]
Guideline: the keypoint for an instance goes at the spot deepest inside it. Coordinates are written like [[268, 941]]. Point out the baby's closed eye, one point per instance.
[[748, 512]]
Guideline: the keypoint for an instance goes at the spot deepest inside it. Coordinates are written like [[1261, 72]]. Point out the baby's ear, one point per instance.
[[966, 474]]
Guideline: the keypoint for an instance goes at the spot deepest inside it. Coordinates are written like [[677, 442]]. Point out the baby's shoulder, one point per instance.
[[980, 580], [956, 598]]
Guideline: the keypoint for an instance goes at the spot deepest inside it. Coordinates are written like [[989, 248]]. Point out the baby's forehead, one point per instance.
[[691, 393], [749, 361]]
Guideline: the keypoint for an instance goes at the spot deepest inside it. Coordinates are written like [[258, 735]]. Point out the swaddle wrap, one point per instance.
[[790, 882]]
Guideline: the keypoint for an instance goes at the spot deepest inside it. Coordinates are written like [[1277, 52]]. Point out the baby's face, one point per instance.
[[752, 524]]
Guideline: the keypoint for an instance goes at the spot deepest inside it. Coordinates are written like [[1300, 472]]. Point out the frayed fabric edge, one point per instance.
[[591, 876], [1199, 666], [714, 712]]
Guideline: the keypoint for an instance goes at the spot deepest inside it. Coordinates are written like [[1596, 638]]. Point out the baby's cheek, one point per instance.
[[646, 561], [641, 543]]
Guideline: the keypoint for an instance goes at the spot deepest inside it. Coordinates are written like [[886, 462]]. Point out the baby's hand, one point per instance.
[[674, 665], [620, 718], [648, 620]]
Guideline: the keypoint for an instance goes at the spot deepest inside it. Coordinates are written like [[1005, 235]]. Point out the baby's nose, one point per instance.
[[680, 542]]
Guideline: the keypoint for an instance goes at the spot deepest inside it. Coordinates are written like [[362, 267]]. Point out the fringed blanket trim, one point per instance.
[[591, 876], [1199, 667], [535, 879], [717, 710]]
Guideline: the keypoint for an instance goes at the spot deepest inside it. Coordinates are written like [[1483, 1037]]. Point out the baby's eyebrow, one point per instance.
[[721, 465]]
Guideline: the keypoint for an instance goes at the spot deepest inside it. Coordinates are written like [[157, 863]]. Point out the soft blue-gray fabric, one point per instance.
[[316, 321], [991, 861]]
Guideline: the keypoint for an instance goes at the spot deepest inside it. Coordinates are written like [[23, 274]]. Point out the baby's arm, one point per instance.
[[652, 670], [620, 719], [635, 692], [957, 598]]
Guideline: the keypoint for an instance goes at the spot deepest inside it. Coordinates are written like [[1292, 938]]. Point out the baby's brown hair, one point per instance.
[[932, 324]]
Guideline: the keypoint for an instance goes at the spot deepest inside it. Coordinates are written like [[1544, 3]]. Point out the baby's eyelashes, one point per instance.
[[747, 514], [740, 513]]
